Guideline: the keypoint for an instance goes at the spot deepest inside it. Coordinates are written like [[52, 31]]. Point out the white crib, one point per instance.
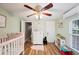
[[13, 46]]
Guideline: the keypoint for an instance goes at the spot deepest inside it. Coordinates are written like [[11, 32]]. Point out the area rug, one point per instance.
[[38, 47]]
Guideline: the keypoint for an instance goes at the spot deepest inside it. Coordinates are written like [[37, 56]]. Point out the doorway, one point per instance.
[[28, 31]]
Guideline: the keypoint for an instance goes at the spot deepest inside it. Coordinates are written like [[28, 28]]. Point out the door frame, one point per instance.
[[23, 27]]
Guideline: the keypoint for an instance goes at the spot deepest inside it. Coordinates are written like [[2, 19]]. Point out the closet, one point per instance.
[[43, 29]]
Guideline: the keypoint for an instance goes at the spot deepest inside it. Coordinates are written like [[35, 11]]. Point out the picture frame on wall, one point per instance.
[[2, 21], [60, 24]]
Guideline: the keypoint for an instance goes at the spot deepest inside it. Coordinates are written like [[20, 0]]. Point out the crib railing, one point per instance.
[[13, 46]]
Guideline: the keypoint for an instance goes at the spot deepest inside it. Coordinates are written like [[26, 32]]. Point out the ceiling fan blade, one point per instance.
[[31, 14], [47, 7], [29, 7], [47, 14]]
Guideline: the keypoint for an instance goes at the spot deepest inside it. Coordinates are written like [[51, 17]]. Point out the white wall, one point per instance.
[[50, 31], [44, 26], [47, 27]]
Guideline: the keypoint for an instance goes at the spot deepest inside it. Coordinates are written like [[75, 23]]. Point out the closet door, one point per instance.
[[50, 30]]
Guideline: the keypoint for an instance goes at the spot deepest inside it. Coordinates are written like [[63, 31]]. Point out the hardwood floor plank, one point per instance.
[[30, 52], [49, 49], [46, 50], [55, 49]]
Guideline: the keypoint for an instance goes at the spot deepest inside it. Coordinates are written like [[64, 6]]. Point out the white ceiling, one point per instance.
[[20, 10]]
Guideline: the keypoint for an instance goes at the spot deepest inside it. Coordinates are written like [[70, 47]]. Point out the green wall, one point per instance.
[[12, 23], [64, 31]]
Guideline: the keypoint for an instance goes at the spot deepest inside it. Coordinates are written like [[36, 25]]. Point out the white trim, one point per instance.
[[74, 49], [70, 31]]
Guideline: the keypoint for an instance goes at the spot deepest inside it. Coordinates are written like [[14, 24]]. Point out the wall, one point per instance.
[[47, 27], [41, 25], [64, 31], [50, 31], [70, 19], [67, 18], [12, 23]]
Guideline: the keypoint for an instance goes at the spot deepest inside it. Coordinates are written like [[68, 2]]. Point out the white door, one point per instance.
[[37, 37], [50, 31]]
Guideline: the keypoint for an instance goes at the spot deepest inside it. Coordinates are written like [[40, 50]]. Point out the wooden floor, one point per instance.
[[49, 49]]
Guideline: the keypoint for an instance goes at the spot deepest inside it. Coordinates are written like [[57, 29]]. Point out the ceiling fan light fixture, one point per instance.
[[37, 16]]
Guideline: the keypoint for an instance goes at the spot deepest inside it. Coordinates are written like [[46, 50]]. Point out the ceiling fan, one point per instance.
[[38, 10]]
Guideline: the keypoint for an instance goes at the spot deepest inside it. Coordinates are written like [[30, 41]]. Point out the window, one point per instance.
[[75, 34]]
